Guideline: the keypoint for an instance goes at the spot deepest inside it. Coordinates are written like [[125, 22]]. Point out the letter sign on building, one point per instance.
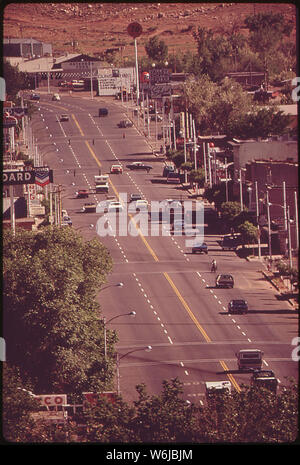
[[18, 177]]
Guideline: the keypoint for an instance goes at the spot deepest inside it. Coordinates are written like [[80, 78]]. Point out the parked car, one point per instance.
[[238, 306], [135, 197], [231, 242], [125, 124], [116, 169], [82, 194], [168, 169], [66, 221], [202, 248], [139, 165], [64, 117], [224, 280], [102, 112], [56, 97], [34, 97], [173, 178]]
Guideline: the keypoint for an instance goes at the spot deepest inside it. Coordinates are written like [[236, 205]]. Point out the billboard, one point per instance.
[[112, 80]]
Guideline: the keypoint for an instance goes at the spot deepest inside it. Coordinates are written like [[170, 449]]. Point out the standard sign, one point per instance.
[[18, 177]]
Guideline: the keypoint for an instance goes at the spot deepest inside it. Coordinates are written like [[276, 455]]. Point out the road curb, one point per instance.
[[277, 288]]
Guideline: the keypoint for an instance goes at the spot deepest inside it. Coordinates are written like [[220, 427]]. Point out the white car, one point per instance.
[[55, 97], [171, 203], [104, 204], [141, 204], [115, 207]]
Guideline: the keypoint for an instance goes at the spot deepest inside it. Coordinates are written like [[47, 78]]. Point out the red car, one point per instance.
[[82, 194], [116, 169]]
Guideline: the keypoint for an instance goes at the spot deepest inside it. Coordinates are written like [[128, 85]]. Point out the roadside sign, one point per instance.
[[159, 75], [161, 90], [134, 29]]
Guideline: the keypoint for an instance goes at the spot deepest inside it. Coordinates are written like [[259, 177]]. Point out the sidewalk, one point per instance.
[[280, 284]]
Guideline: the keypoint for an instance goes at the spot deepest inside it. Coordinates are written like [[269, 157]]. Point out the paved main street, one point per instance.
[[179, 311]]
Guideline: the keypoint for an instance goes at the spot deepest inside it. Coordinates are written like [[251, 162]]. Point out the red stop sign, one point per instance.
[[134, 30]]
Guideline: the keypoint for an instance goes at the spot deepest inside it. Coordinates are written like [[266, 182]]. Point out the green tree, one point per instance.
[[14, 80], [249, 232], [52, 322], [213, 51], [156, 49], [165, 417], [267, 33], [229, 211]]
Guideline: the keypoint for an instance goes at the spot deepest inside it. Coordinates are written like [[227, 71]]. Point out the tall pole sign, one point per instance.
[[135, 30]]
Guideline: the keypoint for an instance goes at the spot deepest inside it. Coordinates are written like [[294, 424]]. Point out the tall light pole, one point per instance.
[[147, 349], [269, 226], [257, 219], [296, 220], [132, 314]]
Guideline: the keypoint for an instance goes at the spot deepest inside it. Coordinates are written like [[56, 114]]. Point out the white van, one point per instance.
[[213, 388], [101, 179], [249, 359]]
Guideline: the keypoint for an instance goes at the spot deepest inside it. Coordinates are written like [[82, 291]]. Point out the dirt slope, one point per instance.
[[93, 28]]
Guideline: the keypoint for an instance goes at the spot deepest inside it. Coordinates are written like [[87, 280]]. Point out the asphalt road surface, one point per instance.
[[179, 311]]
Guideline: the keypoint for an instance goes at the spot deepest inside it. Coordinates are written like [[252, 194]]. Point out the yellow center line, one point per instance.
[[230, 376], [77, 124], [206, 337], [166, 275]]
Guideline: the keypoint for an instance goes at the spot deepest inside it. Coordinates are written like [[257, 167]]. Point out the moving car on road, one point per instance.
[[135, 197], [201, 248], [238, 306], [139, 165], [116, 169], [224, 280], [103, 112], [249, 359], [115, 207], [56, 97], [265, 379], [125, 124], [82, 194], [89, 207], [64, 118]]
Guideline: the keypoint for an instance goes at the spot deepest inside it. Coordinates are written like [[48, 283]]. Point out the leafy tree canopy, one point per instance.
[[52, 324]]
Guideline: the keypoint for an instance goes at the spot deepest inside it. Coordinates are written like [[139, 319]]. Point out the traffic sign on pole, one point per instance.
[[134, 29]]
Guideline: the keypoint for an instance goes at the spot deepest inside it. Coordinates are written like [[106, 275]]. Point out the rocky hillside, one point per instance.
[[93, 28]]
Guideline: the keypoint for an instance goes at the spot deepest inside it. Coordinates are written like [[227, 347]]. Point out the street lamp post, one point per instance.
[[109, 321], [269, 226], [147, 349]]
